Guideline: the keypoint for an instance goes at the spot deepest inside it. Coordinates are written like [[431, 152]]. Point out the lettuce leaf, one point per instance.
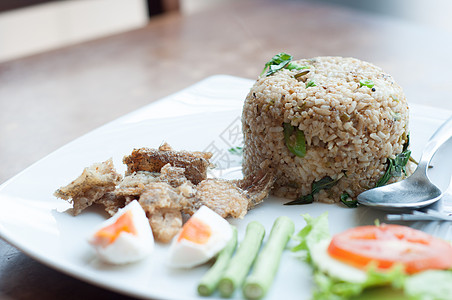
[[316, 229], [429, 285], [331, 288], [393, 284]]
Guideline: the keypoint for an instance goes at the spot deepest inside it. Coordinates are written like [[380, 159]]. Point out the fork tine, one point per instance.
[[418, 225], [431, 227], [444, 230], [419, 216]]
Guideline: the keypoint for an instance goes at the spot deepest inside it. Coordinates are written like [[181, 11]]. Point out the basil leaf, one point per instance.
[[400, 162], [387, 175], [294, 139], [306, 199], [281, 61], [366, 82], [395, 167], [348, 201], [278, 62], [407, 143], [323, 184]]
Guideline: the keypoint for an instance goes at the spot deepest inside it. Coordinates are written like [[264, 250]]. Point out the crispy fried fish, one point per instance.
[[94, 182], [152, 160], [257, 186], [167, 184], [223, 197], [233, 198], [163, 205]]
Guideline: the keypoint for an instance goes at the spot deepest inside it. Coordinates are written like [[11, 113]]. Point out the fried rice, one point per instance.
[[329, 128]]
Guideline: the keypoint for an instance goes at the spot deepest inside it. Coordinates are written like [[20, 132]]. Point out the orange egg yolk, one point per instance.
[[195, 231], [110, 233]]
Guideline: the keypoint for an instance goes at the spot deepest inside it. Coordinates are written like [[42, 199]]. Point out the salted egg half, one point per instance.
[[124, 238], [200, 239]]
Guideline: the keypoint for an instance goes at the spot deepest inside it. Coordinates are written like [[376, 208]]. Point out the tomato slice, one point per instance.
[[386, 245]]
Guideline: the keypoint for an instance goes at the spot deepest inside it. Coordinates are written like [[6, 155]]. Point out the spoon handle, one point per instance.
[[441, 135]]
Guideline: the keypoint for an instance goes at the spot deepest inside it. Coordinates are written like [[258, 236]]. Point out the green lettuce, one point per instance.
[[429, 285], [393, 284], [316, 230], [331, 288]]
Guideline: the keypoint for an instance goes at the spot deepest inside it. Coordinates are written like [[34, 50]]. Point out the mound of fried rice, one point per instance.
[[350, 128]]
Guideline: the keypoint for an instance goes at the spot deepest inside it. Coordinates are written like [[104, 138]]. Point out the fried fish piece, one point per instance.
[[152, 160], [165, 224], [257, 186], [165, 147], [235, 197], [174, 176], [223, 197], [168, 184], [135, 184], [113, 202], [163, 205], [94, 182]]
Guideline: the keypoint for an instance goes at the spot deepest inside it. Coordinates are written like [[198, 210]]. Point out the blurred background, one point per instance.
[[32, 26]]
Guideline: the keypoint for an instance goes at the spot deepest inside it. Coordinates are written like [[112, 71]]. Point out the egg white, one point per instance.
[[187, 254], [127, 247]]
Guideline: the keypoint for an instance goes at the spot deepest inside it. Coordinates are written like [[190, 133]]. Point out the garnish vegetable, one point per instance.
[[366, 82], [395, 167], [316, 229], [267, 262], [210, 280], [348, 201], [372, 282], [278, 62], [236, 150], [310, 84], [388, 245], [323, 184], [242, 261]]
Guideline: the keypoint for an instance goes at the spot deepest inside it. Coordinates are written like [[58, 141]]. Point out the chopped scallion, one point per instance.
[[310, 84]]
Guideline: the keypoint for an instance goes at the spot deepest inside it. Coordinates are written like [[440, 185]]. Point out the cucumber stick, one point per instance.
[[210, 280], [258, 282], [242, 261]]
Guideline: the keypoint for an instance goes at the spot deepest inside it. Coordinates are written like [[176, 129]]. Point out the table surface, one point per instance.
[[49, 99]]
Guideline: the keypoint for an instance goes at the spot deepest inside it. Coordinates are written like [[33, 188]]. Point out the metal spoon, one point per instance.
[[417, 190]]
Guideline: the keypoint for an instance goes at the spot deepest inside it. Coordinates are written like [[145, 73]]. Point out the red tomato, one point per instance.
[[386, 245]]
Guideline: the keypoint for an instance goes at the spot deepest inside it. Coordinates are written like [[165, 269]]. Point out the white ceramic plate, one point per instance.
[[205, 116]]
